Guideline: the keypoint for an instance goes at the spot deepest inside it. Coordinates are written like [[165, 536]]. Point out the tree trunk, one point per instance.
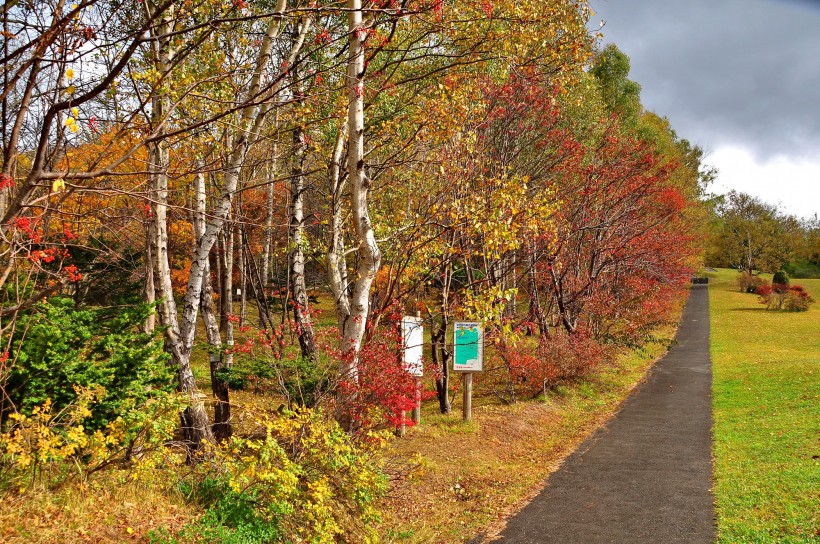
[[352, 326], [536, 309], [148, 290], [369, 256], [336, 263], [268, 240], [194, 419], [442, 355], [296, 261], [242, 268], [226, 299], [441, 359], [222, 408]]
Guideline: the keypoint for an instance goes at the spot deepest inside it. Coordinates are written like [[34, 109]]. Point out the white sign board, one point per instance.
[[468, 343], [412, 334]]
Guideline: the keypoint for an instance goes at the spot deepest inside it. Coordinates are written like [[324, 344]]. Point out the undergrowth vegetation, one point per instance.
[[292, 476]]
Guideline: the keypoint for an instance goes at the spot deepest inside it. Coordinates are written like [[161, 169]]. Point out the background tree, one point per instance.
[[621, 95], [751, 235]]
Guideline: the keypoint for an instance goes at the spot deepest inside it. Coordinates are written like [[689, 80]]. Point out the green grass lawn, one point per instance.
[[767, 416]]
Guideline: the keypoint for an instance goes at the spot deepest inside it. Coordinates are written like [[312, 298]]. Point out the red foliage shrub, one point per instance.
[[559, 356], [385, 391], [763, 290], [783, 297], [797, 299], [572, 355]]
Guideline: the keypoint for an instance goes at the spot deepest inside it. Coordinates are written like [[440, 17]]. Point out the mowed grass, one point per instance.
[[766, 391]]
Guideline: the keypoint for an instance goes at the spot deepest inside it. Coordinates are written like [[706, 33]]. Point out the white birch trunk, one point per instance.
[[243, 277], [268, 240], [296, 261], [369, 257], [336, 265], [148, 289], [265, 279], [222, 407], [226, 298], [194, 419]]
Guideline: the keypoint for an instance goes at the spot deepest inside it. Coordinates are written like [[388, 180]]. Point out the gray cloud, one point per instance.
[[725, 72]]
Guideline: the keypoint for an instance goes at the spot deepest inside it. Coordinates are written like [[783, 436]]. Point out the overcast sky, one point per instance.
[[740, 78]]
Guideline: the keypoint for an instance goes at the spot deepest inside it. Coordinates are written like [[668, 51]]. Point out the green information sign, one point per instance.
[[468, 345]]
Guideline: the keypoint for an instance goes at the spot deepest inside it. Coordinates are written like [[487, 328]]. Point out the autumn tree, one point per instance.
[[751, 235], [621, 95]]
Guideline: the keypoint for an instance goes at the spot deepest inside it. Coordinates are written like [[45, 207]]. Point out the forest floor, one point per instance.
[[767, 416]]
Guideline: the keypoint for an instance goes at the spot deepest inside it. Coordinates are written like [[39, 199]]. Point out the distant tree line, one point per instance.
[[753, 236]]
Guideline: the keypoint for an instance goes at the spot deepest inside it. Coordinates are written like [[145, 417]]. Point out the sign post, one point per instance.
[[416, 417], [412, 333], [468, 357]]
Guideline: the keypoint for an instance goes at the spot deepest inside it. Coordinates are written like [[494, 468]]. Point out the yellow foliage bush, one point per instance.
[[296, 476], [54, 445], [303, 476]]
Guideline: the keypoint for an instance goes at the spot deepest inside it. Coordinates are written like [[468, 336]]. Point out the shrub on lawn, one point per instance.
[[797, 299], [781, 278], [782, 297], [748, 283]]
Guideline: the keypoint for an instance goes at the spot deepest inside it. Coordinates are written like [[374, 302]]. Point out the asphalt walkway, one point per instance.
[[646, 476]]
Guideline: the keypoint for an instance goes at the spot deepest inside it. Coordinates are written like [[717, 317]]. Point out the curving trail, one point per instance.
[[646, 476]]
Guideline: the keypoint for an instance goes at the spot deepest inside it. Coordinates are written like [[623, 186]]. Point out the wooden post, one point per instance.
[[468, 396], [417, 407]]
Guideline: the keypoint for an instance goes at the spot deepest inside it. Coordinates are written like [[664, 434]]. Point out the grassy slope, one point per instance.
[[107, 510], [767, 416]]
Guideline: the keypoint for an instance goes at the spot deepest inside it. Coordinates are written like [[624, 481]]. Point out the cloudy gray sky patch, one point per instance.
[[741, 75]]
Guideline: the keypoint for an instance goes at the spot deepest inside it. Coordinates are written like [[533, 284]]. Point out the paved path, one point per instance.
[[646, 476]]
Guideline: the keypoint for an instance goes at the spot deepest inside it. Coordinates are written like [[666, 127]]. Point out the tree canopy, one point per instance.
[[241, 167]]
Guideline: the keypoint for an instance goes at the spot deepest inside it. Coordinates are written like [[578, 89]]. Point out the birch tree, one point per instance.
[[257, 101]]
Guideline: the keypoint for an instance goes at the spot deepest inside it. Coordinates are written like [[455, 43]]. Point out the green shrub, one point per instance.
[[303, 382], [57, 348], [230, 517], [306, 382], [780, 278]]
